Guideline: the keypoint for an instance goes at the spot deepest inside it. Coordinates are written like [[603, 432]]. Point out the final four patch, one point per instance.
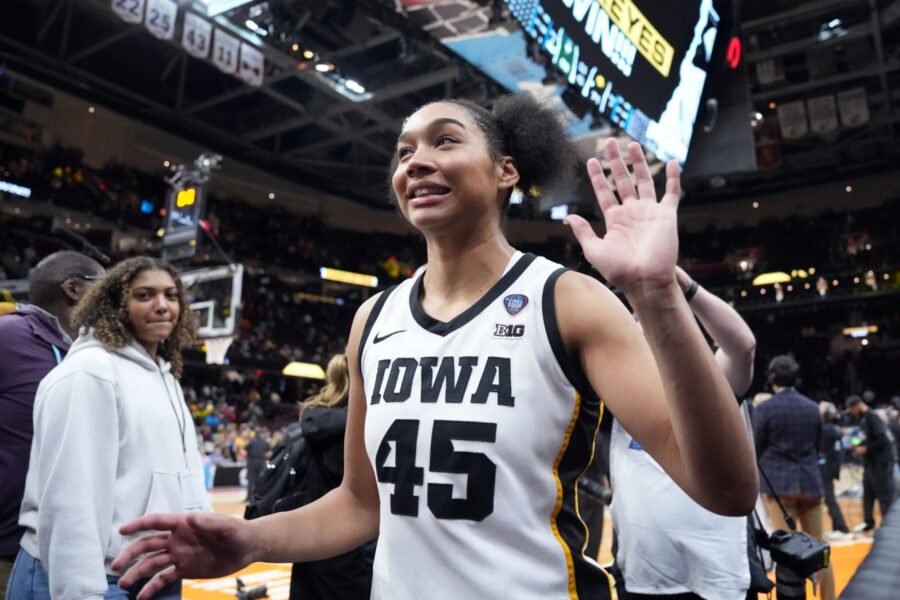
[[514, 303]]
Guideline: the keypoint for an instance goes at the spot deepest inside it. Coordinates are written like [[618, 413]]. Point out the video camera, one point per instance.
[[798, 551]]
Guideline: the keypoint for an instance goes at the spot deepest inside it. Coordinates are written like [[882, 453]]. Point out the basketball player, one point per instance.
[[668, 546], [475, 385]]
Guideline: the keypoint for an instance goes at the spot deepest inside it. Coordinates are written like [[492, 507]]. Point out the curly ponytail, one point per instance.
[[532, 134]]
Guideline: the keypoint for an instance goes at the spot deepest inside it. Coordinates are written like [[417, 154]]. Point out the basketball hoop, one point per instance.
[[216, 349]]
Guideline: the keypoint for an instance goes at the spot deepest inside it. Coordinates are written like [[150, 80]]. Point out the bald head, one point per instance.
[[46, 280]]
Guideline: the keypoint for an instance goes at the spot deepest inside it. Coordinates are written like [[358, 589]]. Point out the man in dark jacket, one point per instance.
[[34, 338], [878, 461], [787, 428]]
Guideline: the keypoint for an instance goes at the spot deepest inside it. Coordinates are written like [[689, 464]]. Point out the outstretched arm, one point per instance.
[[736, 342], [664, 387]]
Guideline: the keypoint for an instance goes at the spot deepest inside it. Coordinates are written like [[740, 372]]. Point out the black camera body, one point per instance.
[[797, 551]]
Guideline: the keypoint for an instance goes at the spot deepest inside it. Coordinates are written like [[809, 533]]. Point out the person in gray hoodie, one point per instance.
[[113, 437]]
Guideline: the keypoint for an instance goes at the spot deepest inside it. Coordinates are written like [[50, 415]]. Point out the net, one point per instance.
[[216, 348]]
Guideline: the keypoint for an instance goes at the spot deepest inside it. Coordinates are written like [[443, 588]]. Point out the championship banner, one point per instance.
[[853, 107], [252, 65], [130, 11], [197, 36], [792, 119], [225, 51], [769, 71], [160, 19], [823, 118]]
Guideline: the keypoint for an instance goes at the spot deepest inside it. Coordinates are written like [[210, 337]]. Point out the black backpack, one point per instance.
[[283, 486]]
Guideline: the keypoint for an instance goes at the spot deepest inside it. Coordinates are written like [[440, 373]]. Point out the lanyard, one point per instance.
[[181, 420]]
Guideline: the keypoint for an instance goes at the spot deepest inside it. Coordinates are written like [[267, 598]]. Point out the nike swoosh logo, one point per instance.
[[381, 339]]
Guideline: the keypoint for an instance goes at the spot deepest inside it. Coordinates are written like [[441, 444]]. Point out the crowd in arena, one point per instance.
[[849, 254]]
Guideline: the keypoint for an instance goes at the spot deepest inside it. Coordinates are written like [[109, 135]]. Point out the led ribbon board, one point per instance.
[[642, 63]]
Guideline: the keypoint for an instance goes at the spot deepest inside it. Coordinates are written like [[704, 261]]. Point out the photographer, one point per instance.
[[787, 428], [878, 461]]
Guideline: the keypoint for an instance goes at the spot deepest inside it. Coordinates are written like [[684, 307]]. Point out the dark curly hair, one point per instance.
[[105, 308], [526, 130]]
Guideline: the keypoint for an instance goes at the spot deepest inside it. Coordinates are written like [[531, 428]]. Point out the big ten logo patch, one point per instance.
[[509, 331]]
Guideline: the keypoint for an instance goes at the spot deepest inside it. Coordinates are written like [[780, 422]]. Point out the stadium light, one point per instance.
[[771, 278], [860, 330], [302, 369], [348, 277]]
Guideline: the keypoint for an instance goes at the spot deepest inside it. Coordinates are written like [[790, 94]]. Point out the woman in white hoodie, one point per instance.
[[113, 438]]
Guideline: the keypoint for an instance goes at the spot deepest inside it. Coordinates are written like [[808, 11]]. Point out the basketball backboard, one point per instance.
[[215, 297]]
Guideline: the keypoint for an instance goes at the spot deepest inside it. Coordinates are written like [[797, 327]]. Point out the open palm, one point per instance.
[[640, 247]]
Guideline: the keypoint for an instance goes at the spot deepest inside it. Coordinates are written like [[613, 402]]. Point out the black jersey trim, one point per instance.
[[571, 368], [441, 328], [370, 322], [587, 580]]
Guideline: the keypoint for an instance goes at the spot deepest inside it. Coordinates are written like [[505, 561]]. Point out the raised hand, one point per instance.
[[640, 248], [191, 545]]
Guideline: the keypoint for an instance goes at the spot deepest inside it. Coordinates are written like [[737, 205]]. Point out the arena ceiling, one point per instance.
[[300, 125]]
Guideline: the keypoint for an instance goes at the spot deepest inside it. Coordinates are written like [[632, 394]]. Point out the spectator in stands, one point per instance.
[[113, 438], [787, 428], [324, 419], [877, 451], [35, 339], [830, 451]]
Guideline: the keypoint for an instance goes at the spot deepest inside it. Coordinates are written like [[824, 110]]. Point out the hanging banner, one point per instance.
[[769, 71], [823, 118], [130, 11], [225, 51], [853, 107], [197, 36], [160, 19], [792, 120], [252, 65]]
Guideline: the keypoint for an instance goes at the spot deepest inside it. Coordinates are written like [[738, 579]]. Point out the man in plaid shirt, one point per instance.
[[787, 429]]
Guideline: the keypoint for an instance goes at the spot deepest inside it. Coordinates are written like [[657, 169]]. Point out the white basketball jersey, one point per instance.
[[478, 437], [667, 543]]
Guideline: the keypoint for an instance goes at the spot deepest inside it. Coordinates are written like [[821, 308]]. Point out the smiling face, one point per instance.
[[445, 175], [153, 308]]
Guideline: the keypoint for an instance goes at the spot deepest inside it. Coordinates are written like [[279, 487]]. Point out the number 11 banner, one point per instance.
[[225, 51]]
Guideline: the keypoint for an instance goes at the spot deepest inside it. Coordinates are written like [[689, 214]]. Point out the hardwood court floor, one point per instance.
[[846, 557]]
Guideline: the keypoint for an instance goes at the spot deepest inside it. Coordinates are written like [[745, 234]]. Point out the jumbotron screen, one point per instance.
[[642, 64]]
